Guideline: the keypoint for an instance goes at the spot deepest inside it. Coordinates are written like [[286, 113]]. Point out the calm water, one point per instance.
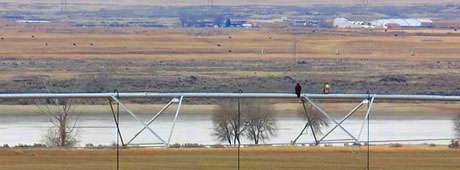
[[100, 130]]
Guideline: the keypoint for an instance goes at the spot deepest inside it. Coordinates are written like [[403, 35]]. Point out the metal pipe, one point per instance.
[[226, 95]]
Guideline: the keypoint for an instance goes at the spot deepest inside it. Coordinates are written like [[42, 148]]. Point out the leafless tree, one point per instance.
[[256, 122], [63, 132], [260, 124], [227, 128]]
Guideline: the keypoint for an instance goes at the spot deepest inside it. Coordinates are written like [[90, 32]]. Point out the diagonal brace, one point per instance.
[[137, 119], [343, 120], [327, 116], [148, 123]]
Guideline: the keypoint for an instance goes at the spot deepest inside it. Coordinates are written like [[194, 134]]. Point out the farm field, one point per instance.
[[41, 58], [352, 158]]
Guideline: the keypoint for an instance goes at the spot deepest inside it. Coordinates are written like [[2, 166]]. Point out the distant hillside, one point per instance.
[[245, 2]]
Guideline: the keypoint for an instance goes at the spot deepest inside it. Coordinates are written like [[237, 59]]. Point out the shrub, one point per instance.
[[454, 144], [176, 145], [396, 145], [39, 145], [89, 145], [217, 146], [192, 145]]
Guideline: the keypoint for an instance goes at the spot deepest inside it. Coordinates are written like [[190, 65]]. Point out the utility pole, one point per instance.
[[294, 50]]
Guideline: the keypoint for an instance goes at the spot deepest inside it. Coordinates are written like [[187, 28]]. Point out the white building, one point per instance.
[[383, 23], [345, 23]]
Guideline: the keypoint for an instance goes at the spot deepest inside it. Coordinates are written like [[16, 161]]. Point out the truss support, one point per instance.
[[328, 117], [148, 123], [343, 120], [137, 119]]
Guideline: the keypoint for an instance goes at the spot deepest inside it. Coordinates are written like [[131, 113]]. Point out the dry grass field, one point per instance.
[[34, 57], [218, 44], [326, 158]]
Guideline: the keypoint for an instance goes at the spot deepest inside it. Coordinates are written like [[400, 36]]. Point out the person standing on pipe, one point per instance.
[[298, 89]]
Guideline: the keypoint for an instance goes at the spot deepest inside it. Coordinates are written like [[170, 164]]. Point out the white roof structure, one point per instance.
[[382, 23], [345, 23]]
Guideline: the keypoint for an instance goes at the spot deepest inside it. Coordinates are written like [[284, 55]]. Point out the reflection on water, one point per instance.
[[100, 130]]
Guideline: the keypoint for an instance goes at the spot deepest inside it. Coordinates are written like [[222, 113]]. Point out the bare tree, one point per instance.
[[252, 119], [227, 128], [63, 132], [260, 124]]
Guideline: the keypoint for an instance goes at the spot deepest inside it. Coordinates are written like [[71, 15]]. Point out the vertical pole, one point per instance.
[[175, 119], [238, 128], [368, 134], [118, 131]]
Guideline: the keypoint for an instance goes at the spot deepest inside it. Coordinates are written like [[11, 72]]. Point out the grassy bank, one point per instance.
[[327, 158]]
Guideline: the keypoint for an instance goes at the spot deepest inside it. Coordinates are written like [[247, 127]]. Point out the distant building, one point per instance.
[[383, 23], [305, 23], [400, 23], [237, 24], [345, 23], [32, 21]]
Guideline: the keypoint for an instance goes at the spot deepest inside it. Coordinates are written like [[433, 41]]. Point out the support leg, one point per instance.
[[116, 120], [175, 119], [366, 117]]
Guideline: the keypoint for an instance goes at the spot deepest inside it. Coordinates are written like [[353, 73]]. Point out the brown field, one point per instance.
[[60, 57], [254, 158], [216, 44]]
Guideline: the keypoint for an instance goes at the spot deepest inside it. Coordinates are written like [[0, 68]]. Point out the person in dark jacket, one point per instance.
[[298, 90]]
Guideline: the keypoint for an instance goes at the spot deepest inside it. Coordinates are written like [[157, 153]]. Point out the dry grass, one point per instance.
[[170, 44], [327, 158]]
